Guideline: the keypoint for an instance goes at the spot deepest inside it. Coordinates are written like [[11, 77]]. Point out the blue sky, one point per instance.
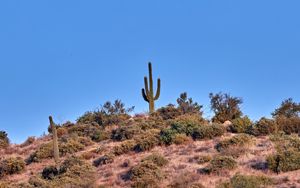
[[67, 57]]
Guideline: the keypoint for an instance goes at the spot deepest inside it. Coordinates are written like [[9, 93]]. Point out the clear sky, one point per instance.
[[67, 57]]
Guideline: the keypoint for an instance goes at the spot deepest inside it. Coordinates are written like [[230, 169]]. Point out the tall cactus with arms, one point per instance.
[[55, 140], [148, 93]]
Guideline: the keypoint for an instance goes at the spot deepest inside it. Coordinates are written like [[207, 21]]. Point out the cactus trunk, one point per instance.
[[55, 141], [148, 91]]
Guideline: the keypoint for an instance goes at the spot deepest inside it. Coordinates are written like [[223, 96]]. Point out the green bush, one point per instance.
[[106, 159], [125, 133], [100, 135], [168, 112], [12, 165], [124, 148], [237, 140], [49, 172], [71, 145], [147, 141], [288, 125], [240, 125], [152, 122], [45, 151], [146, 174], [242, 181], [185, 126], [157, 159], [167, 136], [4, 141], [82, 129], [109, 114], [208, 131], [284, 161], [67, 145], [221, 163], [74, 172], [263, 127]]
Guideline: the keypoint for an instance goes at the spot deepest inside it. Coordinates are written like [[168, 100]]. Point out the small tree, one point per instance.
[[225, 107], [288, 109], [117, 108], [188, 106], [4, 141]]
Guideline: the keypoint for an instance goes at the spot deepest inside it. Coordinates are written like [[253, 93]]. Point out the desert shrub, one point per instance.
[[167, 136], [186, 125], [240, 125], [186, 180], [263, 127], [208, 131], [106, 159], [200, 159], [286, 142], [109, 114], [125, 133], [146, 174], [168, 112], [61, 131], [243, 181], [154, 121], [288, 109], [74, 172], [221, 163], [12, 165], [181, 139], [284, 161], [4, 184], [30, 140], [185, 105], [181, 126], [45, 151], [157, 159], [88, 155], [4, 141], [225, 107], [72, 145], [100, 135], [147, 141], [82, 129], [237, 140], [124, 148], [288, 125], [49, 172]]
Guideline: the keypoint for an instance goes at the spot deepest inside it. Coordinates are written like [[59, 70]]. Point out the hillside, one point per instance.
[[173, 147]]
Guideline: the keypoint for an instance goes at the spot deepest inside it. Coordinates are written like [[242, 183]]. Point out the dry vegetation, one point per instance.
[[172, 147]]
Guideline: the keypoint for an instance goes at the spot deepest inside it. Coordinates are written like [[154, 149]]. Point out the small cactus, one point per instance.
[[55, 140], [148, 93]]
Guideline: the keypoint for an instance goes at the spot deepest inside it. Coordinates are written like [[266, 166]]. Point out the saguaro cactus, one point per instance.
[[148, 93], [55, 140]]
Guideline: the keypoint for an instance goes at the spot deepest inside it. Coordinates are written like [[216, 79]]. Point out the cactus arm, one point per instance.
[[146, 87], [158, 90], [144, 95]]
